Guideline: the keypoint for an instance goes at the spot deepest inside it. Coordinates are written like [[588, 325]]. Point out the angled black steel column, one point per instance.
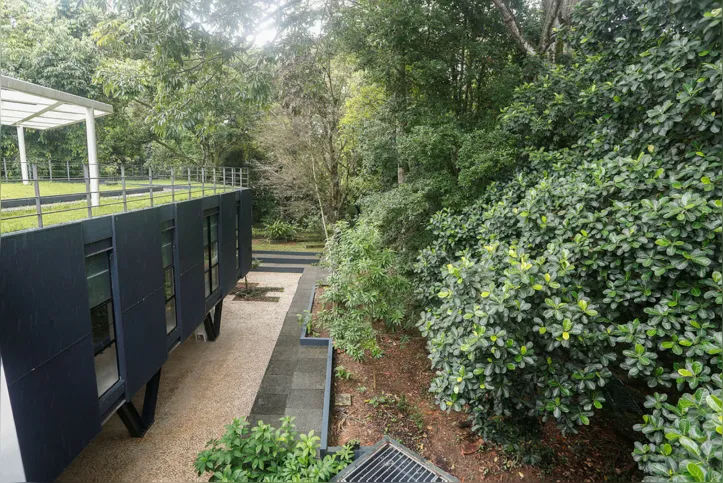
[[136, 424], [131, 420], [212, 324]]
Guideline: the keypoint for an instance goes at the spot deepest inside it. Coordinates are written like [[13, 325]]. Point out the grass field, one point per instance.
[[262, 244], [24, 218], [16, 189]]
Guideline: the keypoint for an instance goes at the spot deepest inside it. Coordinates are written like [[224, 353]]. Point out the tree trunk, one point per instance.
[[511, 22]]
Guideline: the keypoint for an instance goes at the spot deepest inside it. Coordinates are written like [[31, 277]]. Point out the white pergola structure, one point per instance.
[[27, 105]]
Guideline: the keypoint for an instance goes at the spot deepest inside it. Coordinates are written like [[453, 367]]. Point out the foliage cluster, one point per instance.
[[263, 453], [600, 258], [365, 287], [281, 230]]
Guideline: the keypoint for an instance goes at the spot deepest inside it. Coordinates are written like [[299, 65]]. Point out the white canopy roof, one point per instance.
[[33, 106]]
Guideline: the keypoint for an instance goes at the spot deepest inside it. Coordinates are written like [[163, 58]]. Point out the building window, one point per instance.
[[169, 279], [238, 253], [100, 298], [210, 250]]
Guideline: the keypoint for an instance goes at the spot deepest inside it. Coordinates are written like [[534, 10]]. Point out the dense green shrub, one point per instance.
[[263, 453], [281, 230], [365, 286], [593, 264], [401, 215], [602, 257], [686, 441]]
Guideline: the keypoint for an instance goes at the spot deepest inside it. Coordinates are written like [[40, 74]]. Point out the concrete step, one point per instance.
[[279, 269], [279, 253]]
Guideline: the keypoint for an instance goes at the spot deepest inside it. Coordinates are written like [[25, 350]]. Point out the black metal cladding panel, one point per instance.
[[144, 340], [227, 208], [210, 200], [227, 235], [97, 229], [166, 212], [56, 410], [44, 299], [189, 230], [192, 300], [227, 265], [244, 229], [138, 255]]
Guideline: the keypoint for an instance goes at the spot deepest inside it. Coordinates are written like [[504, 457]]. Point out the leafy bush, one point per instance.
[[263, 453], [599, 256], [281, 230], [535, 314], [401, 215], [365, 286], [686, 441]]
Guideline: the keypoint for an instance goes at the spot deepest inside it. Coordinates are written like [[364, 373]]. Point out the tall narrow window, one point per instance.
[[210, 250], [169, 284], [238, 253], [100, 298]]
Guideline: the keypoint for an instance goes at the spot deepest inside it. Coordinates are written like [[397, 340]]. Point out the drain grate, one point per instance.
[[389, 461]]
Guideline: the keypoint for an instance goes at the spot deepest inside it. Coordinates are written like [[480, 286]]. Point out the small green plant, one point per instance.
[[361, 389], [381, 400], [281, 230], [263, 453], [404, 340], [342, 373]]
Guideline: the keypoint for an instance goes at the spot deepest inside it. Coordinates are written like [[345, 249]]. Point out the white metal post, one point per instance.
[[94, 170], [23, 157]]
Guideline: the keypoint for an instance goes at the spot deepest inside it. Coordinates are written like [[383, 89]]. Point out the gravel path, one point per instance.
[[204, 385]]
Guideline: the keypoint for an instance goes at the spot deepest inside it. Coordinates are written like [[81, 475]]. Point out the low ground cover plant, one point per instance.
[[263, 453]]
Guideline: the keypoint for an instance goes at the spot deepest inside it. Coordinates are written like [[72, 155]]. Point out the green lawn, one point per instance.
[[24, 218], [16, 189], [286, 246]]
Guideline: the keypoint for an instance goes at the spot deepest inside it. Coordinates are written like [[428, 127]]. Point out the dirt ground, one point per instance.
[[390, 397]]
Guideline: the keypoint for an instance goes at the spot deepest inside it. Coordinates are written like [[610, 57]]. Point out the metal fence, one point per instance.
[[46, 198]]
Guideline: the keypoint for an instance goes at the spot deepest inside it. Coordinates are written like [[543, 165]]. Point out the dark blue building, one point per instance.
[[90, 310]]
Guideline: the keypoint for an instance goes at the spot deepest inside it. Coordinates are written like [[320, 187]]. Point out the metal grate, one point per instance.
[[389, 461]]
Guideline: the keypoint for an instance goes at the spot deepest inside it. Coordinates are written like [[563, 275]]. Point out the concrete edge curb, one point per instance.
[[304, 340]]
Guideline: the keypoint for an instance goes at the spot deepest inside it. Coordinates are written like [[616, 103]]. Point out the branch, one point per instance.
[[174, 151], [509, 18], [550, 17]]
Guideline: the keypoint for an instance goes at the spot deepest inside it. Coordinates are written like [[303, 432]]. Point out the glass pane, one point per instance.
[[214, 229], [169, 284], [98, 288], [106, 369], [205, 232], [206, 283], [238, 259], [167, 251], [96, 264], [206, 258], [170, 315], [214, 254], [101, 323], [214, 279], [168, 224]]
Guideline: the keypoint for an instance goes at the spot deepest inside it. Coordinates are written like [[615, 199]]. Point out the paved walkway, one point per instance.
[[294, 381]]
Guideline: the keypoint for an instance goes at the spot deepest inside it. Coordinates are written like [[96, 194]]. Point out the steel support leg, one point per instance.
[[136, 424], [212, 324]]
